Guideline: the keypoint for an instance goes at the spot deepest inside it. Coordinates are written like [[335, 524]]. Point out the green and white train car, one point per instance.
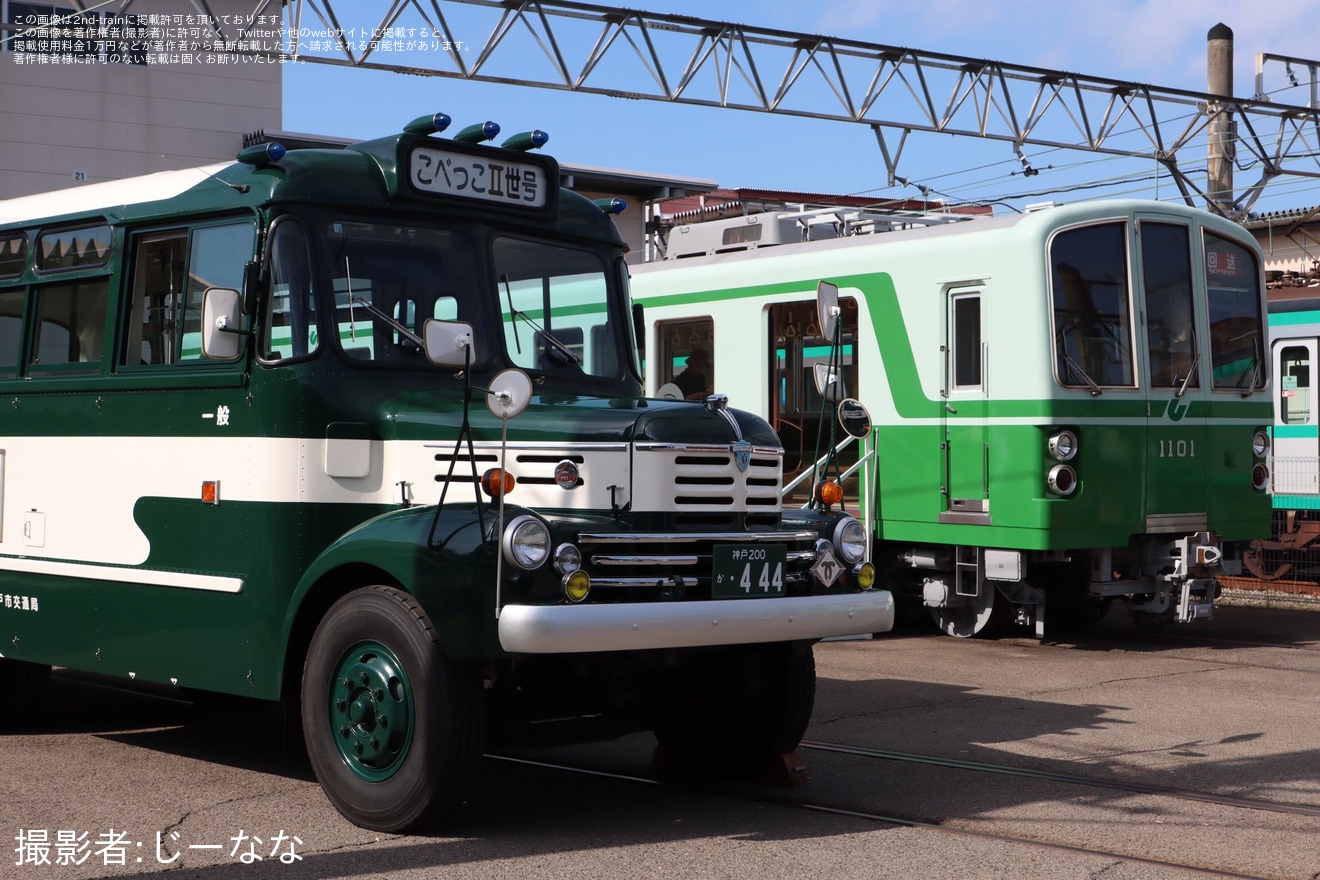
[[1071, 405], [247, 410]]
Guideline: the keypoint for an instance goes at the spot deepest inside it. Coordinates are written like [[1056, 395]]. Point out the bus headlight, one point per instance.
[[850, 541], [1063, 446], [526, 542], [1260, 444], [568, 559], [1062, 480]]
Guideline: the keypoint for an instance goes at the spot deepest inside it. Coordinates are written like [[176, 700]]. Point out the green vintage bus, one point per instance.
[[363, 431]]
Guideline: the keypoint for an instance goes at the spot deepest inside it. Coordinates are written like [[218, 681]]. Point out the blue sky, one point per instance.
[[1161, 42]]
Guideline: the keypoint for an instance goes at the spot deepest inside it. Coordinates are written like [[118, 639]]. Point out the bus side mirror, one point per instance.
[[222, 332], [449, 343], [251, 286]]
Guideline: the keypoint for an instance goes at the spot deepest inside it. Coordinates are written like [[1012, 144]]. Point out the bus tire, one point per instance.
[[24, 686], [393, 728], [736, 711]]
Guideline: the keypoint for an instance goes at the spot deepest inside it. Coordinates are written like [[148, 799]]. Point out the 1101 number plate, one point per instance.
[[740, 572]]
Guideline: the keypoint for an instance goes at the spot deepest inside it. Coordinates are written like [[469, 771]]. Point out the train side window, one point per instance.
[[687, 351], [967, 342], [1295, 382]]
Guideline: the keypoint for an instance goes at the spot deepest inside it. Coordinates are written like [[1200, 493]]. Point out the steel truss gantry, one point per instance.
[[624, 53]]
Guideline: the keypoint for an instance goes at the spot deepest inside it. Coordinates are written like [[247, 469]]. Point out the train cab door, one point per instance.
[[1175, 373], [966, 440], [1296, 465]]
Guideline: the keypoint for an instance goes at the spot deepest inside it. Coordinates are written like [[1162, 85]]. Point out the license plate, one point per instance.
[[741, 572]]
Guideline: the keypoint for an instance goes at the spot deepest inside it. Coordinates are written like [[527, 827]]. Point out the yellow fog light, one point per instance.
[[577, 585], [865, 574]]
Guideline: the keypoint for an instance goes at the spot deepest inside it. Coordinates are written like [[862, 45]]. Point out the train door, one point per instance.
[[1296, 466], [1176, 351], [966, 441]]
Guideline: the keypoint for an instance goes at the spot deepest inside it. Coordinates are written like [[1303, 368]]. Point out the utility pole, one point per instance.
[[1222, 130]]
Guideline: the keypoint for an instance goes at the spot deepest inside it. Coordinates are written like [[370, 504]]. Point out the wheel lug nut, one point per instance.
[[366, 679], [380, 693]]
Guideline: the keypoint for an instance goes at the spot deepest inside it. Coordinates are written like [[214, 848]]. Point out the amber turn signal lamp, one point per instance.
[[497, 483]]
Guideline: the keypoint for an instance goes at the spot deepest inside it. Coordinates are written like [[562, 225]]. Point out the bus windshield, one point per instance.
[[388, 279], [553, 309]]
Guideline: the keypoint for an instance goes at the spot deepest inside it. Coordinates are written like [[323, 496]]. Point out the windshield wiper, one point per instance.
[[563, 354], [1096, 391], [1191, 371], [399, 327]]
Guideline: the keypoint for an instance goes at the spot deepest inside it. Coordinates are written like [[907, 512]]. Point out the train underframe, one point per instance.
[[975, 591]]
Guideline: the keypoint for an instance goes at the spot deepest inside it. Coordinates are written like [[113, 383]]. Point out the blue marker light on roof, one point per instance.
[[475, 134], [262, 155], [612, 206], [428, 124], [527, 140]]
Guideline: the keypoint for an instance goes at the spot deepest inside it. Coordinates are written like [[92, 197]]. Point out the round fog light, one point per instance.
[[576, 585], [865, 575]]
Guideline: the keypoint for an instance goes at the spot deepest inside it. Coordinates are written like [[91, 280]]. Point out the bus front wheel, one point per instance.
[[393, 727]]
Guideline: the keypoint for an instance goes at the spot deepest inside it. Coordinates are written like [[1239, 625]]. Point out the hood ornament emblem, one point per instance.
[[742, 454]]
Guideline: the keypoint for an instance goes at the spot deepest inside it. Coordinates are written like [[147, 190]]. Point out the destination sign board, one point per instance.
[[481, 177]]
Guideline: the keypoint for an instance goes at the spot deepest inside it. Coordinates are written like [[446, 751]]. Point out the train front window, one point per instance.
[[1232, 280], [1092, 307], [1171, 342], [555, 310]]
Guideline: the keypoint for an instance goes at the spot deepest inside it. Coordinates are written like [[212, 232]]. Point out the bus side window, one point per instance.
[[70, 324], [215, 259], [11, 330], [156, 286], [288, 329]]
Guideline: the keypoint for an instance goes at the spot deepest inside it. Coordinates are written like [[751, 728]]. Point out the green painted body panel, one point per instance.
[[224, 595], [1146, 456]]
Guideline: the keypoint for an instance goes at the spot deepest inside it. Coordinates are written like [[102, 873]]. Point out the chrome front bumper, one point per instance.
[[577, 629]]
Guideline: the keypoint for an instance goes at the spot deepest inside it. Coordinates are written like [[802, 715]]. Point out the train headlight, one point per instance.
[[850, 541], [1260, 444], [1062, 480], [1260, 476], [526, 542], [1063, 446]]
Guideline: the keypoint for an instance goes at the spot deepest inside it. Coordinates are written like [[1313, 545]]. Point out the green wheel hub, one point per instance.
[[371, 711]]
